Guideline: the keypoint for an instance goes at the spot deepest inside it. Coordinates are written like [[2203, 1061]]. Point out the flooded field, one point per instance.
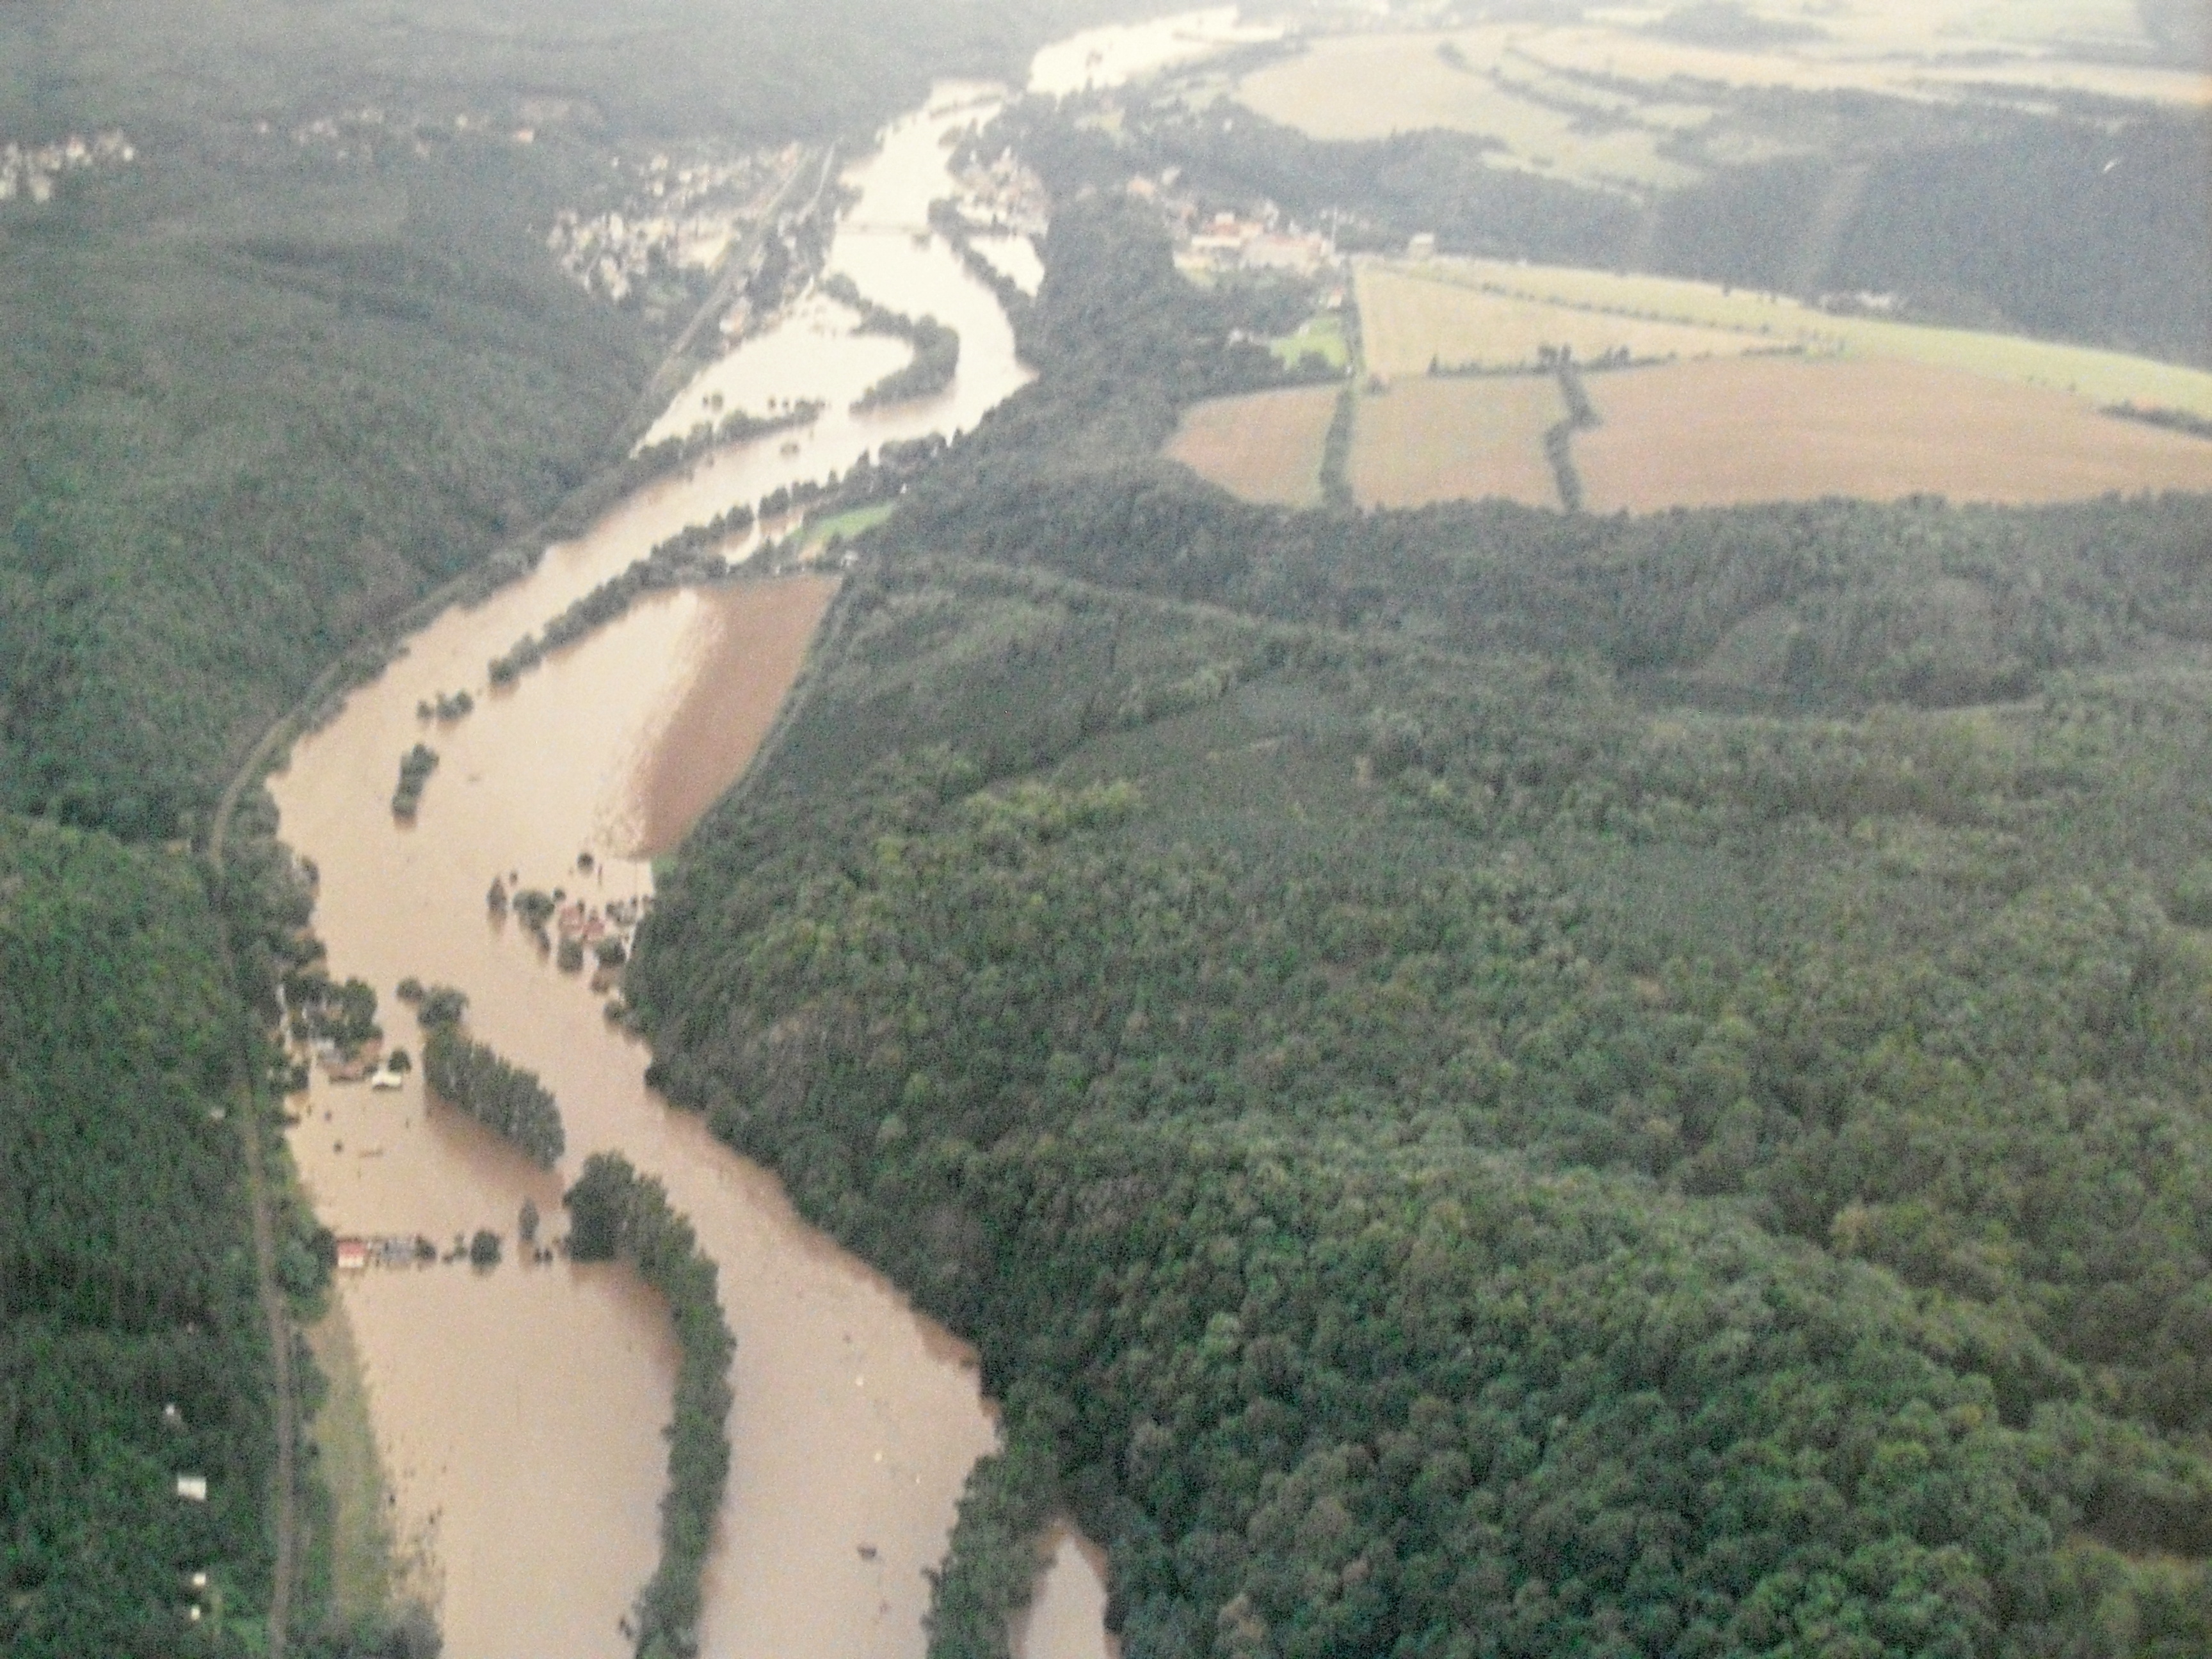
[[516, 1411], [755, 639]]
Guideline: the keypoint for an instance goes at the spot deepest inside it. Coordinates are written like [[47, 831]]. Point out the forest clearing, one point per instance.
[[1457, 439], [1721, 433], [1264, 447]]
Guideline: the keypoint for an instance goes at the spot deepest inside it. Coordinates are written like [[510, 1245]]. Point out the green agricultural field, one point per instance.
[[353, 1532], [849, 524], [2104, 377]]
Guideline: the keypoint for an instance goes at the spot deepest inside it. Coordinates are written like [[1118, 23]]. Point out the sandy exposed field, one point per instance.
[[1369, 86], [1457, 439], [1592, 102], [761, 632], [1410, 317], [1752, 430], [1941, 67], [2102, 377], [1266, 446]]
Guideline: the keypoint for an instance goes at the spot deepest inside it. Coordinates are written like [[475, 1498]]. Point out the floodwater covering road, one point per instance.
[[518, 1412]]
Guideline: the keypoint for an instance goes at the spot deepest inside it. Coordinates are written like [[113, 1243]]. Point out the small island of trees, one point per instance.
[[415, 768], [469, 1076]]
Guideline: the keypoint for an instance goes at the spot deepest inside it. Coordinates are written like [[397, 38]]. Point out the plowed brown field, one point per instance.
[[1266, 446], [1428, 440], [1764, 428]]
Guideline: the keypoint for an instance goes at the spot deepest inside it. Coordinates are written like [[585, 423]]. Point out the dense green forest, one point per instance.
[[1486, 1082], [1492, 1082], [131, 1346]]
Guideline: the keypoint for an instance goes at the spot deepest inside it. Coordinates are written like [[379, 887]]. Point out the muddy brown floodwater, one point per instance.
[[518, 1412]]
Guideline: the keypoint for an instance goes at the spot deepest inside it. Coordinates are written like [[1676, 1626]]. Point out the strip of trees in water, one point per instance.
[[415, 768], [685, 559], [935, 347], [471, 1077], [615, 1214]]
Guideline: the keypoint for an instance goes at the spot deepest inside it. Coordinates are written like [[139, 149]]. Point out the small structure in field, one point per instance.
[[192, 1488]]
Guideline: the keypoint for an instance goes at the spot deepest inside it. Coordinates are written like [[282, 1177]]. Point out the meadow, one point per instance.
[[1416, 318], [1721, 433], [1320, 336], [1264, 446]]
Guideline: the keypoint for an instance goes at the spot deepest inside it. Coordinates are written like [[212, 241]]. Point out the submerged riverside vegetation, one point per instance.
[[615, 1214], [1491, 1082], [506, 1099], [936, 348]]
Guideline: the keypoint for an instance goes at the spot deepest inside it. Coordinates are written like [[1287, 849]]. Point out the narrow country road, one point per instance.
[[250, 1114]]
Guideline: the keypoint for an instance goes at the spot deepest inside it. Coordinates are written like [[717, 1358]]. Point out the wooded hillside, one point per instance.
[[131, 1346], [1466, 1115]]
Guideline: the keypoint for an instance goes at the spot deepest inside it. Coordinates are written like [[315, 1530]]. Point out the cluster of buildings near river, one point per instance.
[[679, 217], [1002, 196], [31, 171], [1260, 238], [360, 133]]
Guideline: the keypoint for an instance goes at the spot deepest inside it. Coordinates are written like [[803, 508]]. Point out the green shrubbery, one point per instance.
[[415, 768], [2191, 903]]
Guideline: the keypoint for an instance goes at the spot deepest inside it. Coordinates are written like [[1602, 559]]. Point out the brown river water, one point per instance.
[[518, 1412]]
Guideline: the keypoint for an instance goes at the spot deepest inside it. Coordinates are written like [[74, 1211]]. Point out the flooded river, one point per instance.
[[518, 1412]]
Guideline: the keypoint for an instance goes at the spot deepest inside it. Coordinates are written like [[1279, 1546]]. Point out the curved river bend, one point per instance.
[[518, 1413]]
